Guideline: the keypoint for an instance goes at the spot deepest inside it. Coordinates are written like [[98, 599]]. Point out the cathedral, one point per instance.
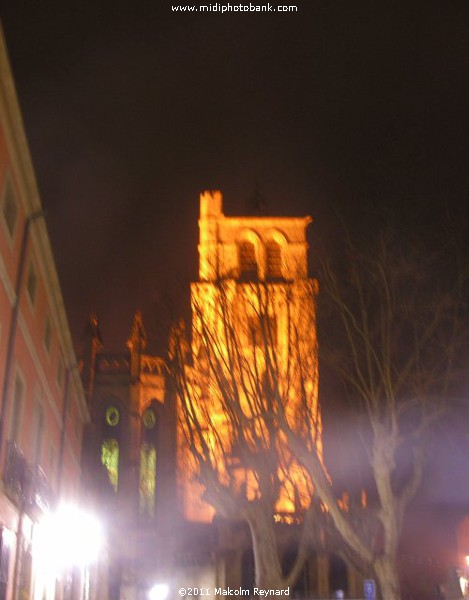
[[137, 449]]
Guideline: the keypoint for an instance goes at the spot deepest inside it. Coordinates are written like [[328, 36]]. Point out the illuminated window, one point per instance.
[[149, 419], [247, 261], [110, 460], [147, 478], [274, 259], [31, 283], [112, 416], [10, 207]]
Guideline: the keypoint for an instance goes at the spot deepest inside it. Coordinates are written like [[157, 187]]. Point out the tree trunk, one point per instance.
[[268, 568], [388, 580]]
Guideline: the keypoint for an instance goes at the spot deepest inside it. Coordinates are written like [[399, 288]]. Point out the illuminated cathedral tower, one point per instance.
[[251, 266], [136, 456]]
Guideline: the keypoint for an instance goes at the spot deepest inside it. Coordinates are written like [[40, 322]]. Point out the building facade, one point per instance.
[[42, 404], [253, 326], [135, 452], [255, 303], [129, 457]]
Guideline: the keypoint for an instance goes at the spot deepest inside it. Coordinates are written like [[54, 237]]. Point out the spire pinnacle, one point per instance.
[[138, 337]]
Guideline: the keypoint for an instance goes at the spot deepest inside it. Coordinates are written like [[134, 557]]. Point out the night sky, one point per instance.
[[132, 109], [352, 107]]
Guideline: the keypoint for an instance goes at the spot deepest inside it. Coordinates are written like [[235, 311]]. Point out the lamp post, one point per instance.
[[463, 578], [69, 537], [158, 592]]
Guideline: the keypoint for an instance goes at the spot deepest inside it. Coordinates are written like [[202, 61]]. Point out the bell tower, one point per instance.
[[250, 264]]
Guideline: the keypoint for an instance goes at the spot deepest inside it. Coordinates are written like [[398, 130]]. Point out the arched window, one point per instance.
[[110, 444], [112, 416], [147, 478], [148, 463], [110, 460], [247, 261], [274, 259]]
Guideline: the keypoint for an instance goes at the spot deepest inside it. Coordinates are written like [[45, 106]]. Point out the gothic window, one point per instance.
[[274, 260], [148, 463], [247, 261], [149, 419], [110, 460], [147, 478], [112, 416], [110, 444]]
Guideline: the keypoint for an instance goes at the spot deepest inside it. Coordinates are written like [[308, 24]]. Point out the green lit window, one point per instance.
[[110, 460], [147, 478], [149, 419], [112, 416]]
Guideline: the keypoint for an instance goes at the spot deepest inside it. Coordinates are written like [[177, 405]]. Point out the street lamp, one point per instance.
[[158, 592], [66, 538], [464, 578], [70, 535]]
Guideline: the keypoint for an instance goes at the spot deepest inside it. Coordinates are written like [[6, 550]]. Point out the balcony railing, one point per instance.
[[26, 484], [41, 495], [16, 468]]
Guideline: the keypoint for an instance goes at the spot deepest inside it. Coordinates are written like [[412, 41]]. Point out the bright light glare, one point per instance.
[[69, 536], [8, 537], [463, 584], [159, 592]]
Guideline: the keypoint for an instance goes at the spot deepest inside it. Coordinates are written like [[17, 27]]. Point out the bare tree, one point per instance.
[[397, 321], [241, 363]]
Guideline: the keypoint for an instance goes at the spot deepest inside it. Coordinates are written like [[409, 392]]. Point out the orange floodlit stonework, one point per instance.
[[253, 330]]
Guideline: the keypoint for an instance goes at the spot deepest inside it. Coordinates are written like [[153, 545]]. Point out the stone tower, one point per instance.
[[249, 265], [129, 454]]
